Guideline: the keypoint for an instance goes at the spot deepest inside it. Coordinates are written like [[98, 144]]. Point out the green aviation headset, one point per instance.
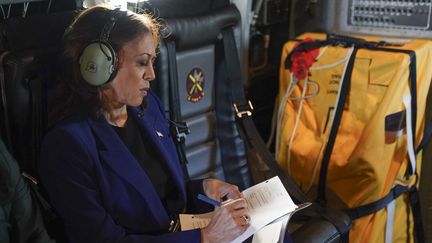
[[99, 61]]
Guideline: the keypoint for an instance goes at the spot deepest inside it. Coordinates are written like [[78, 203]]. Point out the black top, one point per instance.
[[149, 160]]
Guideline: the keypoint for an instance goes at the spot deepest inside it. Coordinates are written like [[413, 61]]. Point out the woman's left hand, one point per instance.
[[220, 190]]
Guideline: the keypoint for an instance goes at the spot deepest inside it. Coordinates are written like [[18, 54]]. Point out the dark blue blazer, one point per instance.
[[100, 190]]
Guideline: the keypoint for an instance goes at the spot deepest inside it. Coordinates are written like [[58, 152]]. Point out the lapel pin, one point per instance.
[[159, 134]]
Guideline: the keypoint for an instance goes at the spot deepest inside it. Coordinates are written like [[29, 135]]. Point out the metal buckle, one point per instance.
[[174, 225], [181, 130], [242, 110]]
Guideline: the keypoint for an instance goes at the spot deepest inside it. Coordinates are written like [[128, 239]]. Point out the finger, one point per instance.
[[243, 221], [236, 204], [234, 195], [239, 213], [231, 192], [246, 219]]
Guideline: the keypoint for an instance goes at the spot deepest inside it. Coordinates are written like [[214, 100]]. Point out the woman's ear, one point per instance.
[[121, 58]]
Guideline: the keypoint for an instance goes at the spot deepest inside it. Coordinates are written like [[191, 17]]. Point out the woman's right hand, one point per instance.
[[228, 222]]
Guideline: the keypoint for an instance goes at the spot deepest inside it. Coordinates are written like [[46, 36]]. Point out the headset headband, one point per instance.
[[107, 28]]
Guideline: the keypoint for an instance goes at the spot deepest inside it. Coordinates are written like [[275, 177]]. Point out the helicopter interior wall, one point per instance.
[[39, 7], [306, 16], [425, 189], [165, 9], [293, 18], [267, 38]]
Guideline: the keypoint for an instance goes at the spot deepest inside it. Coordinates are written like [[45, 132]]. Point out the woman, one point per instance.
[[109, 165]]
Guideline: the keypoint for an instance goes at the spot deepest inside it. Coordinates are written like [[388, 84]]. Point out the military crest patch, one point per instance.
[[195, 85]]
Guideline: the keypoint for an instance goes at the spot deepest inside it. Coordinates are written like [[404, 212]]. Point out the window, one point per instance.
[[129, 4]]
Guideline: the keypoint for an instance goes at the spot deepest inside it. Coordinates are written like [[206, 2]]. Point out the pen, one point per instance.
[[209, 200], [217, 203]]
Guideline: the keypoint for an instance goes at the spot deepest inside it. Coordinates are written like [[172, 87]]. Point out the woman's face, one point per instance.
[[135, 72]]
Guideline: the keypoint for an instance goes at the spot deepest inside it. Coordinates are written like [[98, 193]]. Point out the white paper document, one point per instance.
[[273, 232], [267, 201]]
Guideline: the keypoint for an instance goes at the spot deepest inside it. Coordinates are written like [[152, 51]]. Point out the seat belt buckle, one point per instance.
[[181, 130], [244, 109]]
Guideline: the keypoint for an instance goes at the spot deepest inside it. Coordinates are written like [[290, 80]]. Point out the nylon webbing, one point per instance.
[[412, 81], [174, 103], [375, 206], [8, 139], [343, 94], [48, 213], [390, 222], [426, 136], [414, 198]]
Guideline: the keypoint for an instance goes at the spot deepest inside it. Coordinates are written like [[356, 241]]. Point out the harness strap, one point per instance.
[[48, 213], [175, 110], [390, 222], [426, 136], [8, 139], [414, 199], [343, 94], [358, 212]]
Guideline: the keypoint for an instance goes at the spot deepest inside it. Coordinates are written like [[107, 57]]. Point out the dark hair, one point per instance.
[[76, 96]]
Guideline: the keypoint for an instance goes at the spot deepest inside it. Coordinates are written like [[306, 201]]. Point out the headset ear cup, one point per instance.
[[98, 63]]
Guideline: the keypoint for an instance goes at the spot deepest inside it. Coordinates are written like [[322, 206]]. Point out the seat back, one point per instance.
[[28, 65], [191, 76], [29, 49]]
